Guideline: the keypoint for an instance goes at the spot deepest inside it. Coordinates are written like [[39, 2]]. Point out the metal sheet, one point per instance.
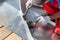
[[12, 19]]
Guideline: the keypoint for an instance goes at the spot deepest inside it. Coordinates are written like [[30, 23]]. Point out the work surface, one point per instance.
[[6, 34]]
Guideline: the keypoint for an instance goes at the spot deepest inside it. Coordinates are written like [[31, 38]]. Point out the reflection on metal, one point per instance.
[[12, 19]]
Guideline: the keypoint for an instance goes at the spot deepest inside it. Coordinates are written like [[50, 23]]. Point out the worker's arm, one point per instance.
[[55, 16]]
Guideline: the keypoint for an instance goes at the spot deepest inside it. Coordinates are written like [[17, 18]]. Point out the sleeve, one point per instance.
[[59, 3]]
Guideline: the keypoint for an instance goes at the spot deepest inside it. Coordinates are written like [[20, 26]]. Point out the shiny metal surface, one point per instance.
[[12, 19]]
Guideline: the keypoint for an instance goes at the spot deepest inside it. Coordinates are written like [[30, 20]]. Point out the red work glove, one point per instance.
[[57, 30]]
